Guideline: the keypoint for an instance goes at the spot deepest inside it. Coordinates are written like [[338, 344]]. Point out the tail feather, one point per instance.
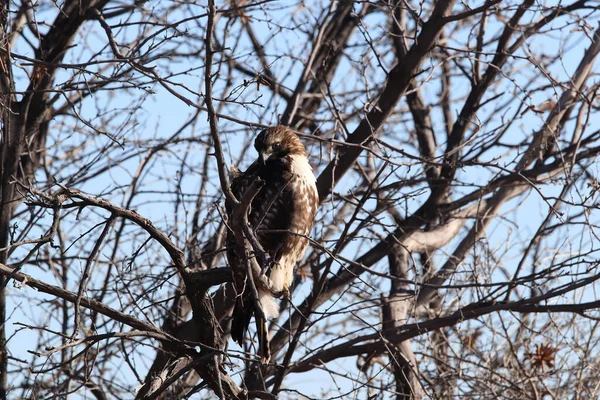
[[242, 314]]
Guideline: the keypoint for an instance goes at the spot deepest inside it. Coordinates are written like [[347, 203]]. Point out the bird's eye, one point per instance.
[[276, 146]]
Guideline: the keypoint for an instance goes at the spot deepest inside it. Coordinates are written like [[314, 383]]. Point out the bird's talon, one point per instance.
[[282, 294], [286, 291]]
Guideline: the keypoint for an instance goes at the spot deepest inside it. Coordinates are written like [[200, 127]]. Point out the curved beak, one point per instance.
[[264, 156]]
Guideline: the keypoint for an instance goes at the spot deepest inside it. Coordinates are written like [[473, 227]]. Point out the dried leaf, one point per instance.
[[543, 356]]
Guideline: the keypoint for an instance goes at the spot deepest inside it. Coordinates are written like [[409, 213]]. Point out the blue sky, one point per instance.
[[135, 115]]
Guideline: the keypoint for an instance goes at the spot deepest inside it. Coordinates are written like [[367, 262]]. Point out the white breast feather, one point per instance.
[[302, 169], [304, 182]]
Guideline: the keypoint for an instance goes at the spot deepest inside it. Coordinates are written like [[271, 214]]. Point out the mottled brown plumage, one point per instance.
[[281, 215]]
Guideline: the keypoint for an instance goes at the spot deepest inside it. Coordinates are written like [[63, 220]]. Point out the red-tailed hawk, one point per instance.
[[281, 216]]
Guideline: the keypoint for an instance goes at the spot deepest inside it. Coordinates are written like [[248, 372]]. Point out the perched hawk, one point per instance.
[[281, 216]]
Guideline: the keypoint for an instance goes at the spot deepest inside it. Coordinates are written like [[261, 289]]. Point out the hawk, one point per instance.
[[281, 216]]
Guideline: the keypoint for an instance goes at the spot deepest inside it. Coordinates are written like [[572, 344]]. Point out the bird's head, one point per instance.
[[278, 142]]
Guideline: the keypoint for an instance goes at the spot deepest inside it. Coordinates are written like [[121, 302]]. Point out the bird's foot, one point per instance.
[[284, 293]]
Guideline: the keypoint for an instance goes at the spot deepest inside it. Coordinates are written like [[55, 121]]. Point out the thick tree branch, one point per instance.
[[397, 83], [409, 331]]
